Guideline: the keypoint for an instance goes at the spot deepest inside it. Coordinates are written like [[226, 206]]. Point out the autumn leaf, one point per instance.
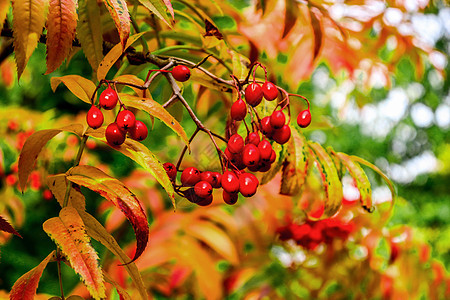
[[119, 12], [330, 179], [120, 290], [144, 157], [5, 226], [69, 234], [25, 287], [28, 22], [158, 7], [114, 191], [155, 109], [4, 6], [169, 7], [317, 31], [113, 55], [361, 180], [61, 25], [33, 146], [295, 167], [89, 32], [58, 185], [291, 14], [79, 86], [132, 79]]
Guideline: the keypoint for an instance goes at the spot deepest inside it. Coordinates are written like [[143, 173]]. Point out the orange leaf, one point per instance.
[[133, 79], [155, 109], [4, 6], [144, 157], [5, 226], [291, 14], [58, 184], [61, 25], [33, 146], [68, 232], [119, 12], [28, 22], [113, 55], [25, 287], [317, 30], [113, 190], [79, 86]]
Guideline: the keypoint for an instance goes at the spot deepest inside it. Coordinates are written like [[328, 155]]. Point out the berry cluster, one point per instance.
[[201, 184], [312, 233], [125, 122]]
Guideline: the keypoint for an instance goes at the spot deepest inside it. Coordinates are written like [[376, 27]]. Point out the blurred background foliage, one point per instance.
[[394, 112]]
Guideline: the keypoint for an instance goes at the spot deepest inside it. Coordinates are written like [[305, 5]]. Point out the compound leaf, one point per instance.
[[68, 232], [114, 190], [25, 287], [61, 26]]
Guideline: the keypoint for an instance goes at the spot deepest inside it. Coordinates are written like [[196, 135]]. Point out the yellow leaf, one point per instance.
[[25, 287], [4, 6], [33, 146], [155, 109], [133, 79], [143, 156], [68, 232], [119, 12], [120, 290], [116, 192], [79, 86], [113, 55], [61, 25], [58, 184], [89, 32], [28, 21]]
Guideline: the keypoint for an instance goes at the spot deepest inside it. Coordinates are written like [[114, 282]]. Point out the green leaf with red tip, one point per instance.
[[33, 146], [69, 234], [295, 166], [119, 12], [25, 287], [79, 86], [330, 179], [116, 192], [5, 226], [61, 24], [143, 156], [156, 110], [361, 180]]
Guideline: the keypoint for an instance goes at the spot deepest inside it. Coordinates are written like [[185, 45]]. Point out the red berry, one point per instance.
[[270, 91], [264, 166], [277, 119], [125, 119], [265, 149], [252, 138], [235, 144], [203, 189], [205, 201], [304, 118], [212, 178], [229, 198], [181, 73], [190, 176], [108, 98], [94, 117], [115, 136], [248, 184], [273, 156], [282, 135], [171, 170], [230, 182], [266, 128], [253, 94], [238, 110], [250, 155], [139, 131], [192, 196]]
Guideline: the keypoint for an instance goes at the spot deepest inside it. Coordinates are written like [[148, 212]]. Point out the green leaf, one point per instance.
[[330, 180], [158, 7], [144, 157], [89, 32]]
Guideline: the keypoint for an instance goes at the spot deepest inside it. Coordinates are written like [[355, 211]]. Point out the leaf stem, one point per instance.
[[58, 263]]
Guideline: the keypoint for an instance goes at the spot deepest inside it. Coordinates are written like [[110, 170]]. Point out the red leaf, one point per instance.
[[119, 12], [113, 190], [5, 226], [26, 286]]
